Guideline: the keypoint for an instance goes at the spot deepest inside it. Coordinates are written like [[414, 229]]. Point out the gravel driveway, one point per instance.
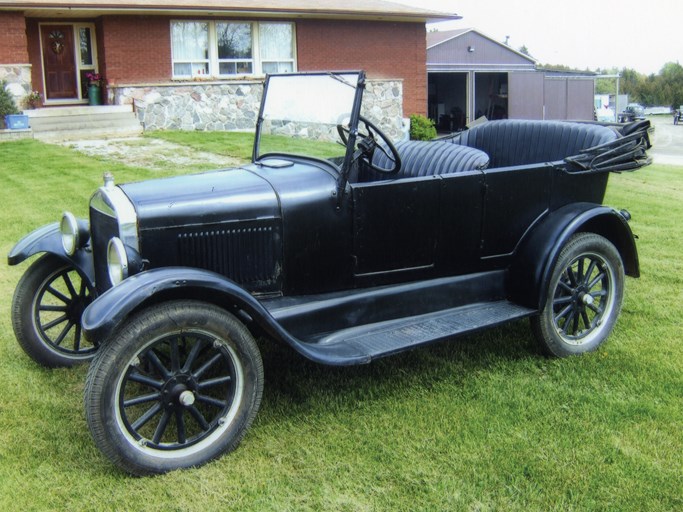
[[152, 153]]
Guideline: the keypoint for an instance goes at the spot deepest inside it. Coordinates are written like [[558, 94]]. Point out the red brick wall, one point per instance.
[[383, 50], [13, 46], [134, 49]]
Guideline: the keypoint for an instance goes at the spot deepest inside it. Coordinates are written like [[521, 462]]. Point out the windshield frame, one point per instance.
[[345, 167]]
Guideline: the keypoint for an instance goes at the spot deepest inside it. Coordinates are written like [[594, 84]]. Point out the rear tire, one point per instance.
[[178, 386], [584, 297], [46, 313]]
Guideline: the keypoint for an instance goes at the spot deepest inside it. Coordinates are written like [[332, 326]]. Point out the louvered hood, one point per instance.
[[225, 221]]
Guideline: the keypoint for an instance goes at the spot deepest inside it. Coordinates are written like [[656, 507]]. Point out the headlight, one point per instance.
[[122, 261], [74, 233], [117, 261]]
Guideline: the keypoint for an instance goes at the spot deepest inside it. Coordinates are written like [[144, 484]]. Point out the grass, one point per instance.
[[240, 145], [482, 423]]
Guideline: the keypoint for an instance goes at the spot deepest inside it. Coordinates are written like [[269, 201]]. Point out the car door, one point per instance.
[[395, 227]]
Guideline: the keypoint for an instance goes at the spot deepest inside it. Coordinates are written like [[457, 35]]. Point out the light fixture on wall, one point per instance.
[[470, 49]]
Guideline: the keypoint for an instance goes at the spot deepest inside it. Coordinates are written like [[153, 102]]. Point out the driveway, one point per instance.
[[667, 141], [152, 153]]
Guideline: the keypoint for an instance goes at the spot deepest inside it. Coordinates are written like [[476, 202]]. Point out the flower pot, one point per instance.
[[94, 95]]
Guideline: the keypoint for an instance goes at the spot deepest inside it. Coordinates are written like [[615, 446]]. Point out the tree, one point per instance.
[[524, 50]]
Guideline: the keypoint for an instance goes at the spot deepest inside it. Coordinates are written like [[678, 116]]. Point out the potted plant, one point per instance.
[[33, 100], [9, 114], [95, 81]]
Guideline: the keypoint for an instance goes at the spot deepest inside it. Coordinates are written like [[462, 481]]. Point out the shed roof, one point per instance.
[[348, 9], [435, 39]]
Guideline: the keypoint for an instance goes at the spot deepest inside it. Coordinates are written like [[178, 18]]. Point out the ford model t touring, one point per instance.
[[345, 251]]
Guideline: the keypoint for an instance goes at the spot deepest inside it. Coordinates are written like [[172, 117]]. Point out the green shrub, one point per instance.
[[7, 104], [421, 128]]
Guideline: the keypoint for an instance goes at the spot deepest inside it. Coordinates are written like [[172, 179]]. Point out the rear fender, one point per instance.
[[539, 250], [48, 239]]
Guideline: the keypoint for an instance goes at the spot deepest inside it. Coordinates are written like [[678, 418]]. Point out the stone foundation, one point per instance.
[[230, 106], [18, 77]]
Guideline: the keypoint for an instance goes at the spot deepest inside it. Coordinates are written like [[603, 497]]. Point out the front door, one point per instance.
[[61, 79], [394, 226]]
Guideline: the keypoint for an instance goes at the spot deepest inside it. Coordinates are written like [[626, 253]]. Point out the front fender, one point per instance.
[[109, 310], [536, 256], [104, 315], [48, 239]]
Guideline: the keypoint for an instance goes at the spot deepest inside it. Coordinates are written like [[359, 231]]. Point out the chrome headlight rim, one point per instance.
[[74, 233], [117, 261]]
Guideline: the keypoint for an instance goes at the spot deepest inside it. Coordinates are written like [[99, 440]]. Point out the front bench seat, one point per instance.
[[420, 158], [521, 142]]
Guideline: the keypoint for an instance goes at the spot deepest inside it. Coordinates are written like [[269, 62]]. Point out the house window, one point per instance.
[[234, 48], [277, 47], [85, 44], [229, 48], [190, 46]]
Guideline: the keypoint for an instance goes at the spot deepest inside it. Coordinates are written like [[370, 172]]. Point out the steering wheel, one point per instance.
[[367, 143]]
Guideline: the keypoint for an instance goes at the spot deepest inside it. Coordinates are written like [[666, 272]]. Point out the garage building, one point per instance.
[[472, 75]]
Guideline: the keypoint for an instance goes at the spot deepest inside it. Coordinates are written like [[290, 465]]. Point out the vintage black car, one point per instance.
[[364, 250]]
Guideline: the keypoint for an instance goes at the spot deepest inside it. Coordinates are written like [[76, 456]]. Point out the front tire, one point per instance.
[[584, 297], [48, 303], [177, 387]]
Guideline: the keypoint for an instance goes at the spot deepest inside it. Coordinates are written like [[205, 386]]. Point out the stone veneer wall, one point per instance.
[[18, 77], [221, 106]]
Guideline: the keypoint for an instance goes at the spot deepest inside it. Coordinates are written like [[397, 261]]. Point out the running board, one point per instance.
[[364, 343]]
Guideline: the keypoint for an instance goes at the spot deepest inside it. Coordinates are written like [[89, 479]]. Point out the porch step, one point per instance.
[[83, 122], [367, 342]]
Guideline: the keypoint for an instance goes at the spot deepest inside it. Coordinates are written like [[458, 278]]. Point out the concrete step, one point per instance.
[[54, 120], [90, 133], [83, 122]]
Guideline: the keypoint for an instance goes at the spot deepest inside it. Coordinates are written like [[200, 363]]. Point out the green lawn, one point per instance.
[[481, 423]]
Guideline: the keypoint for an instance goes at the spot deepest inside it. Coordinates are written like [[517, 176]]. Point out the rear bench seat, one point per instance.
[[420, 158], [520, 142]]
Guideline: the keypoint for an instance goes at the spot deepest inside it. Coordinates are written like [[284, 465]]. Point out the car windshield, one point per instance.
[[300, 114]]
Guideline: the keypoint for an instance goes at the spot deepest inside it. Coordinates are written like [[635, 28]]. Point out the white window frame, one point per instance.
[[214, 61], [191, 62], [220, 61]]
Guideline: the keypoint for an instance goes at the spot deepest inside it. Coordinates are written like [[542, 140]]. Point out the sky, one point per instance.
[[637, 34]]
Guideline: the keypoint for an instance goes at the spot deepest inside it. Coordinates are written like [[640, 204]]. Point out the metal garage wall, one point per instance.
[[569, 98], [555, 98], [525, 99], [580, 99]]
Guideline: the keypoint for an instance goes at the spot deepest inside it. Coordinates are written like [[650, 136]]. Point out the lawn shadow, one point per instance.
[[302, 385]]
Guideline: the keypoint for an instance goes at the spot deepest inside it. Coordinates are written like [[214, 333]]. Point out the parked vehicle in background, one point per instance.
[[343, 247], [604, 115], [632, 112], [678, 115]]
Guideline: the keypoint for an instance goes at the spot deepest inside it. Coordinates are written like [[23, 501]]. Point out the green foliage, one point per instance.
[[7, 103], [477, 423], [664, 88], [421, 128]]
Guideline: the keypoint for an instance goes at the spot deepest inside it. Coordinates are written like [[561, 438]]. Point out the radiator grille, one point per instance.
[[102, 228], [245, 255]]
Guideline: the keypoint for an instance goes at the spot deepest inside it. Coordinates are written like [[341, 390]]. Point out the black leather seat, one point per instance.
[[420, 158], [521, 142]]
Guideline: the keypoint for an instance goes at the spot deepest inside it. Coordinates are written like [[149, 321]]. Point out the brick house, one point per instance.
[[178, 62]]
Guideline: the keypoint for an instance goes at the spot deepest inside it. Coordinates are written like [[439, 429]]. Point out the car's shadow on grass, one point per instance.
[[294, 384]]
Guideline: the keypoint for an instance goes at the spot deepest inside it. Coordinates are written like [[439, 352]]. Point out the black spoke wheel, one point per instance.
[[46, 313], [584, 297], [177, 387]]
